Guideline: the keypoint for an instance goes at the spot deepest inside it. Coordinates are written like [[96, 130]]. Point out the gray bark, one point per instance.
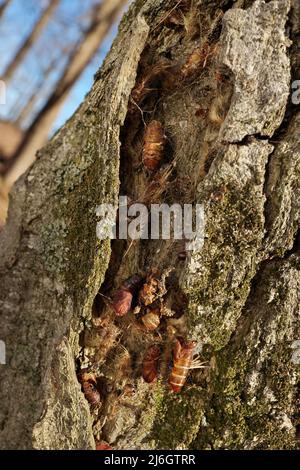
[[240, 291]]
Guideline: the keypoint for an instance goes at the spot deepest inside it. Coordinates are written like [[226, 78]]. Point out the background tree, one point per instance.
[[29, 41], [104, 16], [3, 7], [46, 71], [218, 77]]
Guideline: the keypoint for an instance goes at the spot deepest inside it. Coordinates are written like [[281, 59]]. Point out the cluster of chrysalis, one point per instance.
[[150, 292], [154, 136]]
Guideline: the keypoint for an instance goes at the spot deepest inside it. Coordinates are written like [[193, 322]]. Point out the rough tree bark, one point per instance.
[[37, 30], [234, 146]]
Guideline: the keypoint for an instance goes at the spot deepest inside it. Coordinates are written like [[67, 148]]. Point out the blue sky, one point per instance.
[[61, 31], [84, 84]]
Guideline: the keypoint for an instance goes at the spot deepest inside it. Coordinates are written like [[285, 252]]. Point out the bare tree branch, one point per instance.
[[4, 6], [105, 16], [31, 39]]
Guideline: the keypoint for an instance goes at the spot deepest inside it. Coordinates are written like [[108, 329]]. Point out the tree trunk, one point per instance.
[[106, 14], [31, 39], [4, 6], [232, 145]]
